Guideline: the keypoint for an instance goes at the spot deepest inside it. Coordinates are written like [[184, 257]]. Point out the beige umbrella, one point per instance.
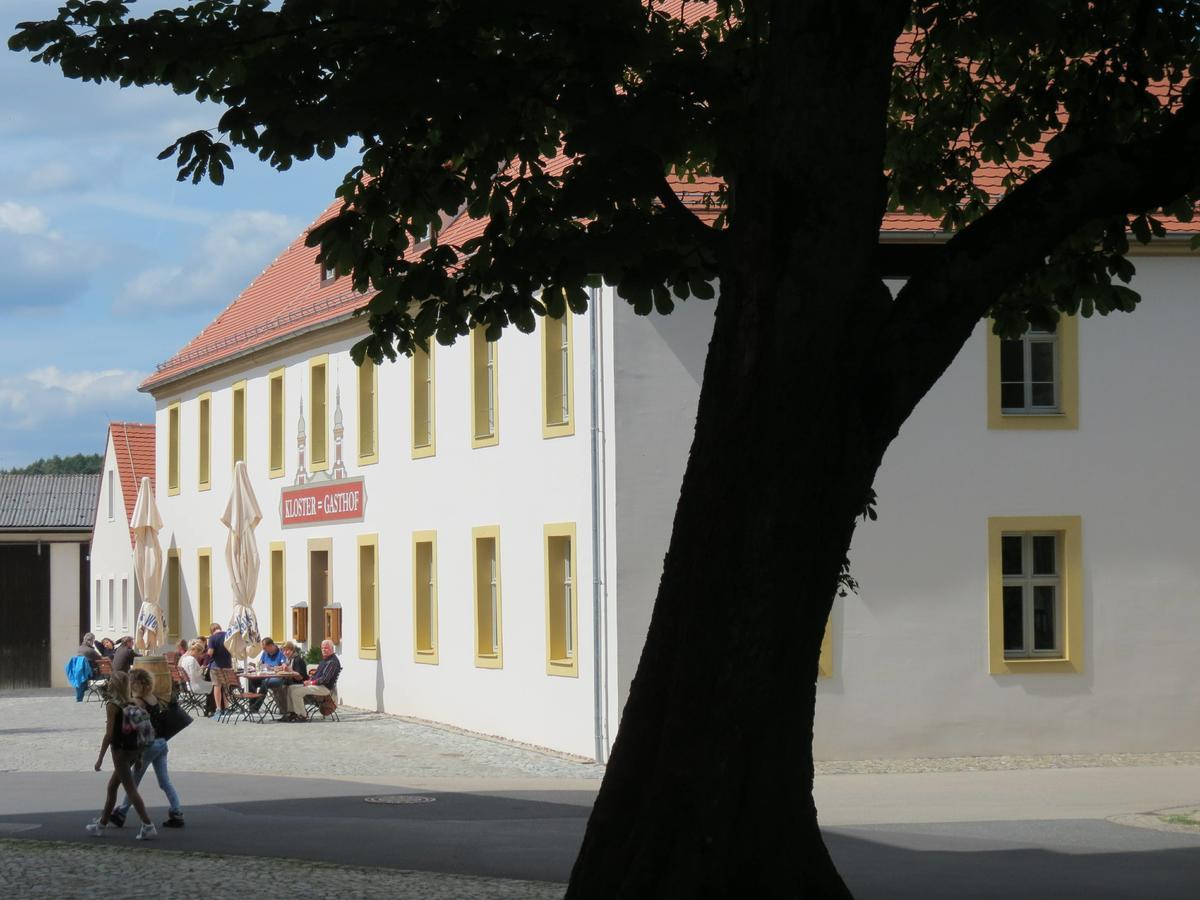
[[151, 630], [241, 556]]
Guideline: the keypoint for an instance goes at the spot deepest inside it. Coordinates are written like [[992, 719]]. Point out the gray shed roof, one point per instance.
[[48, 502]]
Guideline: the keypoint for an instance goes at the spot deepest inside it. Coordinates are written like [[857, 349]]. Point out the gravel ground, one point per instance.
[[52, 870], [50, 732]]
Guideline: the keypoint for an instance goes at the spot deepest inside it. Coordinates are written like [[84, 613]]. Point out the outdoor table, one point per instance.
[[263, 675]]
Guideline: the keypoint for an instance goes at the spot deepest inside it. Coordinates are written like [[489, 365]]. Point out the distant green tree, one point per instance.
[[801, 124], [79, 464]]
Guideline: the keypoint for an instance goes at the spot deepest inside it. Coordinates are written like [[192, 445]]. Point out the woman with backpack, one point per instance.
[[127, 732], [141, 688]]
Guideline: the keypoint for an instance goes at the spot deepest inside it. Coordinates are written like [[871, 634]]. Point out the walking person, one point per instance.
[[141, 687], [125, 733]]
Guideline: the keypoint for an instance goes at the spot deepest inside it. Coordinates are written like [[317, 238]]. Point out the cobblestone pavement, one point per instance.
[[53, 870], [49, 732]]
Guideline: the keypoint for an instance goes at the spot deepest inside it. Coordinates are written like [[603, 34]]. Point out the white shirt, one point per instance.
[[196, 681]]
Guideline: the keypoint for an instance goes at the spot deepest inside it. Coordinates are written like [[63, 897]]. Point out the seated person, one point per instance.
[[88, 649], [190, 663], [270, 658], [322, 684], [106, 648], [294, 660], [123, 655]]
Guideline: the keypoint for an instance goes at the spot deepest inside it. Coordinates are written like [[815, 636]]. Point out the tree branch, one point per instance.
[[706, 237], [936, 311]]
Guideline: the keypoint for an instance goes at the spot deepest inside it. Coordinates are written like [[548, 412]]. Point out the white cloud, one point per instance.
[[20, 219], [230, 254], [52, 397], [51, 177]]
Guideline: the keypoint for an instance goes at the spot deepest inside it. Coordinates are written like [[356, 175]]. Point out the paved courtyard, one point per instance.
[[376, 806]]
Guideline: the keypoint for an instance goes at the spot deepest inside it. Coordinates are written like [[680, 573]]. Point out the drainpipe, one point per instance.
[[599, 544]]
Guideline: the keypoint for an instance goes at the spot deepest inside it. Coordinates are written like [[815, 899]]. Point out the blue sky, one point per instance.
[[107, 264]]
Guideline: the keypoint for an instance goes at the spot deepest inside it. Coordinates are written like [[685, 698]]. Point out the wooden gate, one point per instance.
[[24, 616]]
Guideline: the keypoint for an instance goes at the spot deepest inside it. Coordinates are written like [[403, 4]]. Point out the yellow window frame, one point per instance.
[[174, 580], [1068, 363], [368, 606], [276, 430], [318, 416], [238, 421], [426, 655], [424, 372], [1071, 530], [203, 589], [173, 428], [368, 413], [483, 383], [204, 441], [490, 660], [277, 587], [561, 663], [551, 428]]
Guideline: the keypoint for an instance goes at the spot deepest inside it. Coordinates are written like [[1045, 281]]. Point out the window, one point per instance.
[[203, 589], [485, 430], [318, 404], [1033, 381], [489, 651], [174, 592], [112, 513], [825, 661], [97, 596], [112, 618], [275, 409], [239, 422], [204, 431], [368, 413], [562, 605], [1035, 594], [173, 449], [557, 406], [368, 596], [423, 403], [278, 588], [425, 617], [125, 604], [328, 274]]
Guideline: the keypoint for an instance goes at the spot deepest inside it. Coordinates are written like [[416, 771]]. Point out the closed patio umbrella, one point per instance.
[[241, 556], [151, 632]]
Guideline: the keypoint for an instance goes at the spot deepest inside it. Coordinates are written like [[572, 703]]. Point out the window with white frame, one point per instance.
[[112, 512], [1029, 373], [125, 603], [1031, 566], [112, 621]]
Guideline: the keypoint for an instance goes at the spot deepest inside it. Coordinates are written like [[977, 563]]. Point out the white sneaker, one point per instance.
[[147, 832], [95, 829]]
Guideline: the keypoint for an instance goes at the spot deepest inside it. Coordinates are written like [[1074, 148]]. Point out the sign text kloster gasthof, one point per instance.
[[341, 500]]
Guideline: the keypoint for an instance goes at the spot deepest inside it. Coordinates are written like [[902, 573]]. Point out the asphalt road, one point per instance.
[[534, 834]]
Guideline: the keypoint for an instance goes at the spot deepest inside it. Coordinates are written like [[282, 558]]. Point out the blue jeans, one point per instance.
[[156, 755]]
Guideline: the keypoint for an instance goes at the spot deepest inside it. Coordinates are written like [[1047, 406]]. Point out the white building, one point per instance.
[[489, 522], [128, 458]]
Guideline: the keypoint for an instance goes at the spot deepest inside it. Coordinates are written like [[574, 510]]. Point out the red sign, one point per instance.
[[342, 500]]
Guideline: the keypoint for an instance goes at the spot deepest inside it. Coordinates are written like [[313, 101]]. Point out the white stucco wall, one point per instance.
[[522, 484], [64, 607], [910, 673], [112, 558], [910, 670]]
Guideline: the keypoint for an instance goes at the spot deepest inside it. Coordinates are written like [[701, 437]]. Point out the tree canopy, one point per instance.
[[78, 464], [607, 139]]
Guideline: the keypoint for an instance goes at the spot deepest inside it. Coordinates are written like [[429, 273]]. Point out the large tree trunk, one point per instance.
[[709, 788]]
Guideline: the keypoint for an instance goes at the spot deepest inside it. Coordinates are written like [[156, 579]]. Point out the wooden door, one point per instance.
[[25, 616]]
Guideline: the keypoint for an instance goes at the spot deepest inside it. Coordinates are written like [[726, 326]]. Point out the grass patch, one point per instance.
[[1180, 819]]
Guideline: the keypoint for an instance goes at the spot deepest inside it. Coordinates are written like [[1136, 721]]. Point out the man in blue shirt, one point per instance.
[[271, 657]]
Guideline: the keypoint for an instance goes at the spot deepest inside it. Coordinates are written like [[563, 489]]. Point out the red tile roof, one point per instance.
[[133, 444]]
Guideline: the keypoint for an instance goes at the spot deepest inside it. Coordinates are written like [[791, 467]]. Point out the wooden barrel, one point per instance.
[[160, 671]]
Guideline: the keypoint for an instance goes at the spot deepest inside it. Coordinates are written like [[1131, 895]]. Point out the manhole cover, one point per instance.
[[401, 798]]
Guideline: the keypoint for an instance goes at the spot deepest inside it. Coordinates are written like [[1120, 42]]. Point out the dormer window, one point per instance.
[[328, 274]]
